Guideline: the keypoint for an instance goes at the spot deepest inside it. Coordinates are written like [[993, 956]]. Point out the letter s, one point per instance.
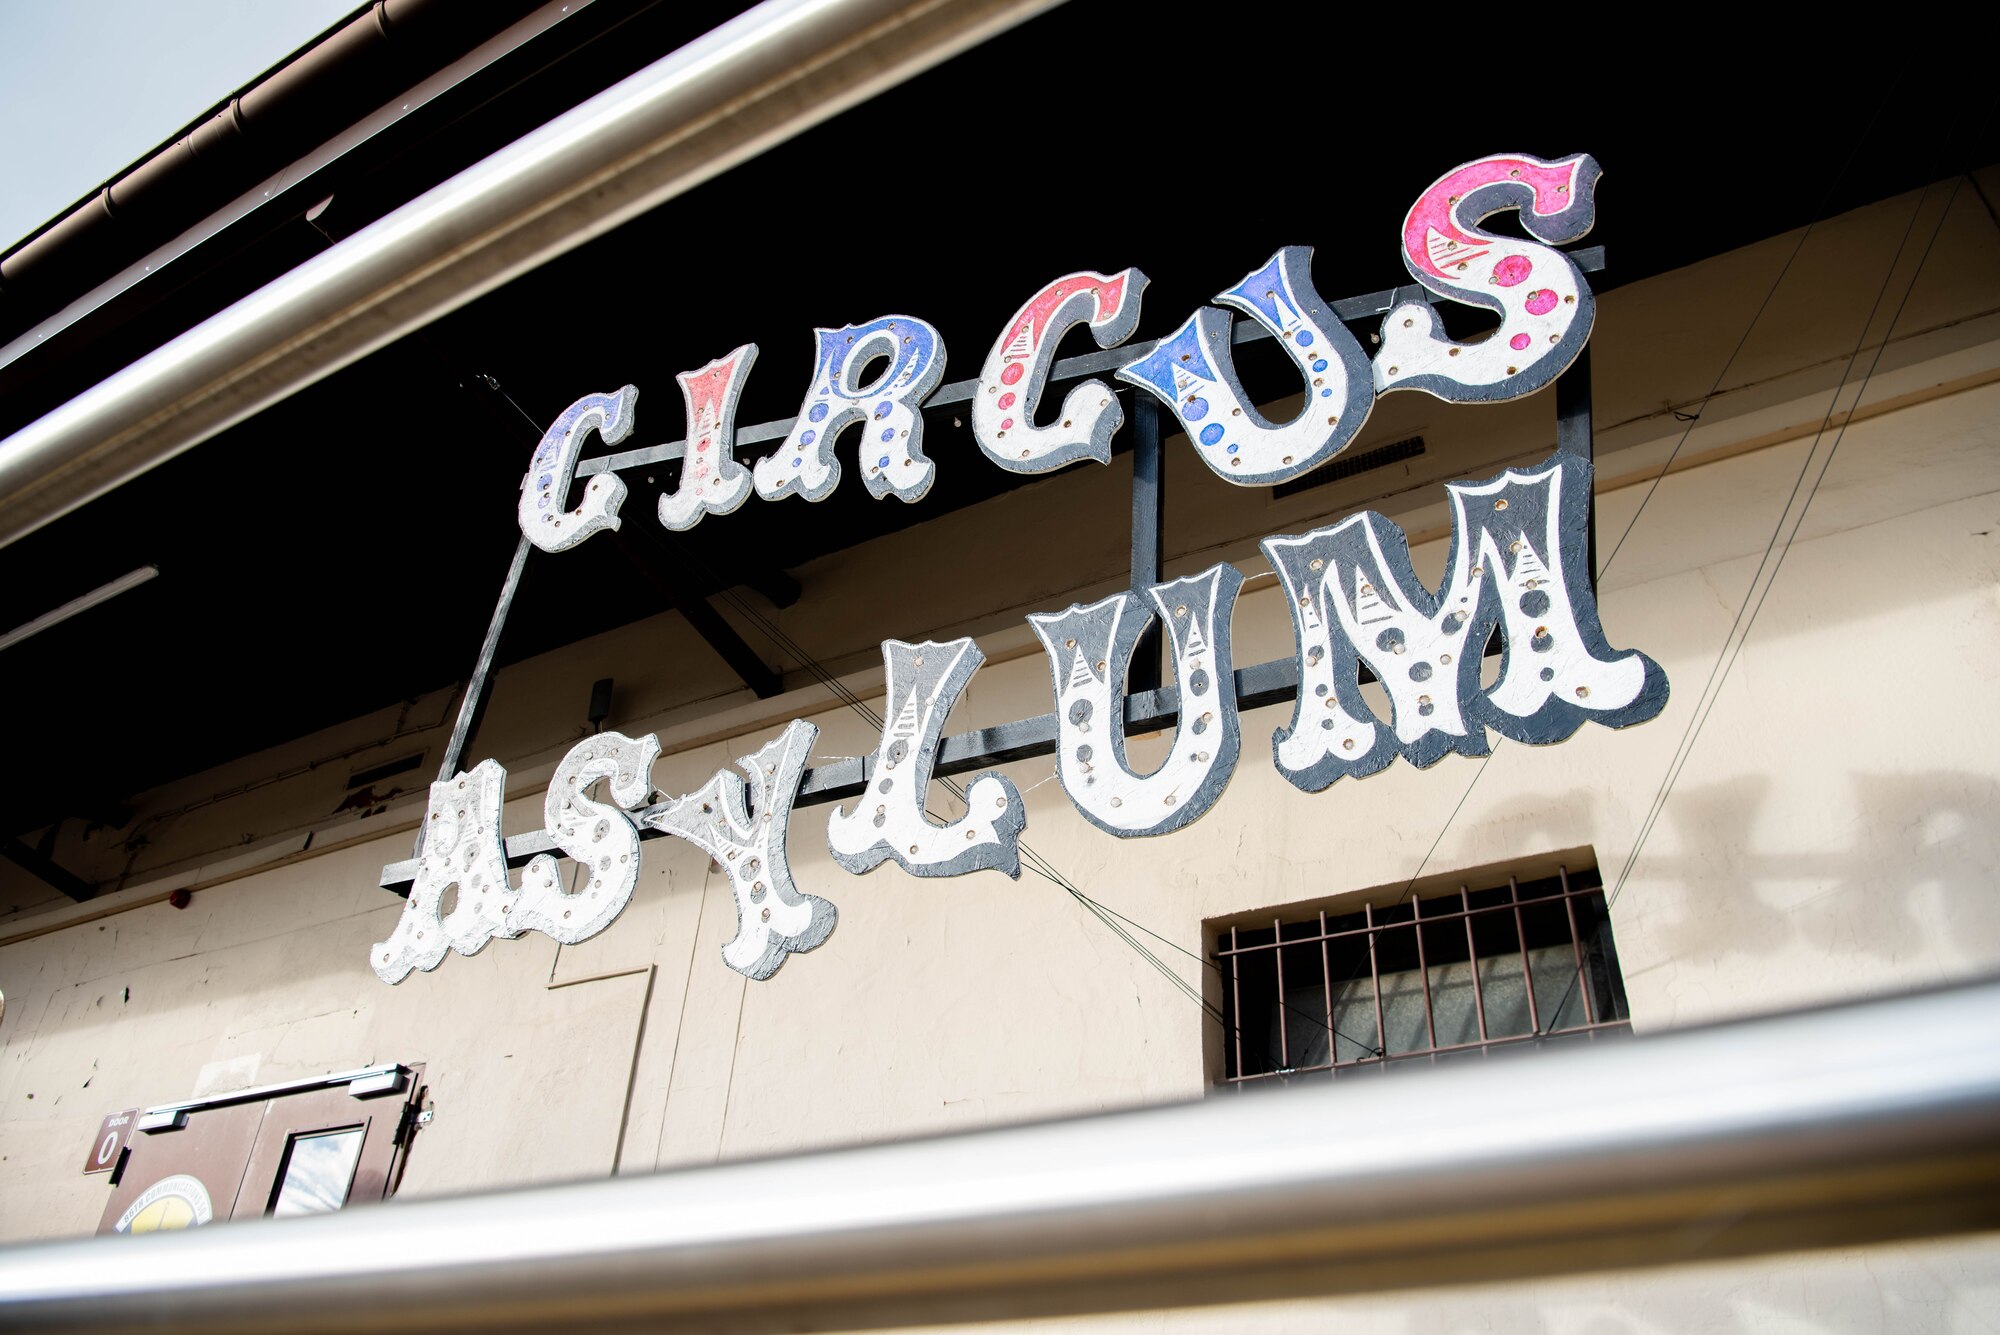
[[1544, 304]]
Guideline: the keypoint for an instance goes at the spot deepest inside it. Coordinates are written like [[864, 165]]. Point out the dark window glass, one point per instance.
[[1443, 978]]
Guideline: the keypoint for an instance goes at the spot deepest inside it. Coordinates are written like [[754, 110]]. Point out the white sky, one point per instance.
[[88, 86]]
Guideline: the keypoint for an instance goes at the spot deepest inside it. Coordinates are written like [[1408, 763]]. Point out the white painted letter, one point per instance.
[[924, 681], [712, 482], [1090, 651], [462, 851], [773, 919], [1545, 306], [1017, 371], [554, 466], [892, 432], [1518, 560], [1193, 372], [598, 835]]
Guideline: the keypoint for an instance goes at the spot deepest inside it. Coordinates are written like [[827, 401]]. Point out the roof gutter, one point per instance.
[[52, 284], [289, 111], [752, 83]]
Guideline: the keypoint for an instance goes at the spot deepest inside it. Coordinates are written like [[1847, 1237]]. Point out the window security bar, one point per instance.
[[1505, 967], [1852, 1124]]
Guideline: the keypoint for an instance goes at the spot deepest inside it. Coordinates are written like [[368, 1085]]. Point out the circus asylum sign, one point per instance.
[[1518, 565]]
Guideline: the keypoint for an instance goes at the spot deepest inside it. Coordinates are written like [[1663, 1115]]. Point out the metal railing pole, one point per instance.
[[750, 84], [1853, 1124]]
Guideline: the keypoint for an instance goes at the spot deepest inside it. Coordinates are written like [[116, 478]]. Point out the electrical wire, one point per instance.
[[1780, 541], [1754, 596], [1030, 857], [1692, 419], [1117, 922], [1715, 388]]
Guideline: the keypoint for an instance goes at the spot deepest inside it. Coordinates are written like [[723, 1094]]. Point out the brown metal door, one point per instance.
[[187, 1177], [320, 1151], [293, 1153]]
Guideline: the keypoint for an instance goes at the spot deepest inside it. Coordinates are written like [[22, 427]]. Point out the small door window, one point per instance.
[[319, 1168]]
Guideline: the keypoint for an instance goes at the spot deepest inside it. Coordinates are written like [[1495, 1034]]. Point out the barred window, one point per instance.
[[1450, 976]]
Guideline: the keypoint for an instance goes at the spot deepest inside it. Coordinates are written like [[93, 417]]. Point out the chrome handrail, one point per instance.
[[1852, 1124], [753, 82]]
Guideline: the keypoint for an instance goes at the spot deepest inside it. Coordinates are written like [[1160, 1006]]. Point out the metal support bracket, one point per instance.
[[648, 558], [1574, 434], [1149, 513]]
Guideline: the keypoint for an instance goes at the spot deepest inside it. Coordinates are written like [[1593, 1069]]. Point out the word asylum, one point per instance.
[[1518, 565]]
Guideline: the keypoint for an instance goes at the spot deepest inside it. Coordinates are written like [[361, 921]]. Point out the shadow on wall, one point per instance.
[[1910, 876], [1915, 861]]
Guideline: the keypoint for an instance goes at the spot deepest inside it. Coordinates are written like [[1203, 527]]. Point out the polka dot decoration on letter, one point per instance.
[[1545, 307], [1023, 356], [1193, 372], [543, 520], [804, 464], [712, 481]]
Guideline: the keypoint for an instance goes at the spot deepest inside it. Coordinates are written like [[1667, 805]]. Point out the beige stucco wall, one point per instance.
[[1832, 833]]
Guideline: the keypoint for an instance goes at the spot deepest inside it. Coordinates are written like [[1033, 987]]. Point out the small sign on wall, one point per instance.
[[111, 1136]]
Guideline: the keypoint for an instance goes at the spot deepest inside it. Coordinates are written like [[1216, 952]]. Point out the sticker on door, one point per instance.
[[171, 1203]]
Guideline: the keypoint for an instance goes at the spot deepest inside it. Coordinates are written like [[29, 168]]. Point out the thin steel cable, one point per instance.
[[1714, 388], [1693, 421], [1772, 554], [1653, 486], [1030, 857], [847, 697], [1747, 613]]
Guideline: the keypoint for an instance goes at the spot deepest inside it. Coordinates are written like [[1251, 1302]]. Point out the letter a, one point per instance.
[[462, 851]]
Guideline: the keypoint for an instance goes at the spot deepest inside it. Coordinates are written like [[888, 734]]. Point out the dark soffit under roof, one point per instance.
[[295, 548]]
